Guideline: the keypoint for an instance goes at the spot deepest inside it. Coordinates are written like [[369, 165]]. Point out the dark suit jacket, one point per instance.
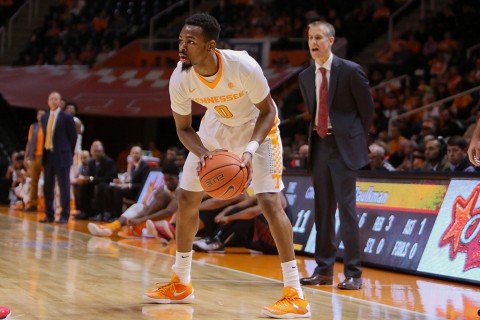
[[105, 172], [64, 139], [139, 176], [350, 108]]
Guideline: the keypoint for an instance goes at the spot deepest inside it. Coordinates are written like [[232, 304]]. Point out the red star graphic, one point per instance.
[[462, 211]]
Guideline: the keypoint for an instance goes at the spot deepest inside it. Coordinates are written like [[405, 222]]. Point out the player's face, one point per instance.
[[193, 48], [171, 181], [54, 101], [319, 42]]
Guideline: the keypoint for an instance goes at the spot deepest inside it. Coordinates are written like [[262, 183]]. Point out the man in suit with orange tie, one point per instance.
[[339, 99], [58, 150]]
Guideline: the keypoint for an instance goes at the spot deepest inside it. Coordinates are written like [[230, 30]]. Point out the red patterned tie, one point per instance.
[[322, 125]]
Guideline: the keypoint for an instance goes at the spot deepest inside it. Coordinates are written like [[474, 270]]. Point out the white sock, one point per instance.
[[290, 276], [183, 265]]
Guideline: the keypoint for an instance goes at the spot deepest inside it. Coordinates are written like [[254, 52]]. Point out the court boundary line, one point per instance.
[[130, 246]]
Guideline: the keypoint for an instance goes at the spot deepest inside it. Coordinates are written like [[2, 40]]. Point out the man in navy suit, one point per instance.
[[60, 136], [340, 103]]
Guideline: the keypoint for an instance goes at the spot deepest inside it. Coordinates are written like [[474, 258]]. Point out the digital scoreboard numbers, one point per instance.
[[394, 238], [395, 219]]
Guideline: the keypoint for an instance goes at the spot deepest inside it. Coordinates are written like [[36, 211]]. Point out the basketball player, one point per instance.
[[241, 117]]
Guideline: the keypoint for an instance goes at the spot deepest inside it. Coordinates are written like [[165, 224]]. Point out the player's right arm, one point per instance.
[[189, 138], [474, 148]]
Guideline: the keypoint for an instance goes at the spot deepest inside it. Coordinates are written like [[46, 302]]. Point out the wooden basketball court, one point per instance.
[[62, 272]]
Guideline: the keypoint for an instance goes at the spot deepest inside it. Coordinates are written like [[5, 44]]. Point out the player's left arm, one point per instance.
[[263, 125]]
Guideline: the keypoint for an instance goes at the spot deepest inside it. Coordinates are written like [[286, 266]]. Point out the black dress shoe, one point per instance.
[[82, 216], [317, 279], [46, 220], [350, 284], [98, 217], [30, 209], [62, 221]]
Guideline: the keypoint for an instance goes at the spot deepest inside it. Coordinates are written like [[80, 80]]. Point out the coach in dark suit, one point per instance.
[[60, 137], [339, 100], [101, 170], [137, 173]]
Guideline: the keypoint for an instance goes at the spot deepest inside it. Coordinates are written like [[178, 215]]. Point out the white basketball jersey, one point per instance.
[[230, 98]]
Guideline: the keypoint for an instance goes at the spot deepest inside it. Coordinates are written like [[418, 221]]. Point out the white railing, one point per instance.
[[161, 14], [394, 15], [429, 106], [471, 49], [32, 7], [382, 84], [403, 8]]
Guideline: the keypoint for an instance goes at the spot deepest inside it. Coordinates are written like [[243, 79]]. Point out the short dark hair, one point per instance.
[[73, 104], [458, 141], [330, 29], [171, 168], [211, 27]]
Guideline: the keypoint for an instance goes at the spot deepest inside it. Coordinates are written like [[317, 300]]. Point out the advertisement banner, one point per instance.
[[395, 219], [453, 249]]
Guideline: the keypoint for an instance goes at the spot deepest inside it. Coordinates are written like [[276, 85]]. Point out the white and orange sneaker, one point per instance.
[[132, 232], [290, 306], [105, 230], [172, 292]]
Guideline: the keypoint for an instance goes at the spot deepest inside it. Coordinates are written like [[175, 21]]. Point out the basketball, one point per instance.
[[223, 177]]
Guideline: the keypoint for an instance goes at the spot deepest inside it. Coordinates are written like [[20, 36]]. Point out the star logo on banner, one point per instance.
[[463, 232]]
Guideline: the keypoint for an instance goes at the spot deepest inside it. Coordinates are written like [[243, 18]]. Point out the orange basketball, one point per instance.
[[223, 177]]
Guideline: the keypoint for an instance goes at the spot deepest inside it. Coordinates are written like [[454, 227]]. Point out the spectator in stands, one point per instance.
[[457, 155], [180, 158], [81, 171], [299, 160], [162, 207], [122, 162], [170, 155], [19, 188], [429, 47], [408, 158], [152, 147], [33, 159], [435, 160], [58, 151], [72, 108], [448, 125], [129, 188], [376, 159], [101, 171], [395, 139], [241, 224]]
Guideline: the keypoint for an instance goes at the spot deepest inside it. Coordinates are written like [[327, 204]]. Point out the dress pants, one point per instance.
[[62, 174]]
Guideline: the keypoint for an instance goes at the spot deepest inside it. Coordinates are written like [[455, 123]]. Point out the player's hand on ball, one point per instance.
[[207, 154], [247, 162]]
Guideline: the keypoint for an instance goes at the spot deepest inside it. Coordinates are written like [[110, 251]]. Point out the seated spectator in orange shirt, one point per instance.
[[409, 157], [438, 65], [100, 22], [152, 146], [454, 79], [447, 44], [395, 139]]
